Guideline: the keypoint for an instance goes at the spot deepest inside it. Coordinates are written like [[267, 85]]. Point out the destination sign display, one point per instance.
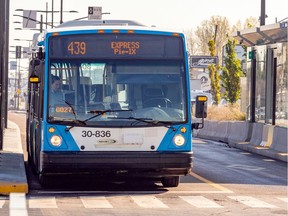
[[111, 46]]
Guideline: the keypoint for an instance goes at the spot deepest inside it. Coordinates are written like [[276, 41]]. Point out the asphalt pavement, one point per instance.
[[12, 170]]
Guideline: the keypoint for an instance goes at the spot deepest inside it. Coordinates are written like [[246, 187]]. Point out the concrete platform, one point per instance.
[[12, 170]]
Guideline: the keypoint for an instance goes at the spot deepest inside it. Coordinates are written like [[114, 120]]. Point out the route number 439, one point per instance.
[[77, 48]]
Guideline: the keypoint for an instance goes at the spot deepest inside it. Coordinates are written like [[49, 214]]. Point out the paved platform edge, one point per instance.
[[12, 169]]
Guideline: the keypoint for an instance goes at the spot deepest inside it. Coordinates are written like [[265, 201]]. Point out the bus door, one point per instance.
[[35, 110]]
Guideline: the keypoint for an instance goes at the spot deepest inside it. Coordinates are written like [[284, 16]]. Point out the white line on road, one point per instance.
[[17, 204], [252, 202], [95, 202], [285, 199], [148, 202], [42, 202], [2, 203], [200, 202]]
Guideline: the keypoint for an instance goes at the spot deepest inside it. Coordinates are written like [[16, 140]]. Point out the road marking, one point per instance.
[[200, 202], [95, 202], [212, 184], [252, 202], [17, 204], [103, 192], [246, 167], [285, 199], [148, 202], [269, 160], [2, 203], [199, 192], [42, 202], [160, 191]]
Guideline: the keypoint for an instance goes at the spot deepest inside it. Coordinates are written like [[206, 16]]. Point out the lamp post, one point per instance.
[[263, 13], [17, 39], [52, 12], [61, 12], [33, 29]]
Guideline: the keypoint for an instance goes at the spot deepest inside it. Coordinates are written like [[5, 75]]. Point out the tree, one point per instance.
[[214, 75], [206, 31], [191, 42], [231, 73]]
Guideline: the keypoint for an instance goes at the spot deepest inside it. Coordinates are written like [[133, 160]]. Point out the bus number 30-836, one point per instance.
[[102, 133]]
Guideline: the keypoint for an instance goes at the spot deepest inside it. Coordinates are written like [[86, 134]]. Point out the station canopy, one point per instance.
[[263, 35]]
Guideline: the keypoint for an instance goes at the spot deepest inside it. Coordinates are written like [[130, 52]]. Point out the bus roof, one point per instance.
[[76, 25]]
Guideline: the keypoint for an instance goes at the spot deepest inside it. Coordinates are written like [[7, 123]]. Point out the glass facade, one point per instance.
[[281, 85], [266, 90], [260, 93]]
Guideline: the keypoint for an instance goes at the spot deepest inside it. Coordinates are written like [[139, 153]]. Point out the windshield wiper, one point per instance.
[[101, 112], [77, 121], [96, 112], [148, 121]]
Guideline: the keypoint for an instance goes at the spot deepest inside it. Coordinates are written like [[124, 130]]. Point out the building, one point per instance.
[[267, 73]]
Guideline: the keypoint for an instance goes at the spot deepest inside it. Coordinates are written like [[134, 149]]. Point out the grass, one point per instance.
[[225, 113]]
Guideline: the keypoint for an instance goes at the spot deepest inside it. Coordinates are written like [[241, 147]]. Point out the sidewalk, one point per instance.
[[12, 169]]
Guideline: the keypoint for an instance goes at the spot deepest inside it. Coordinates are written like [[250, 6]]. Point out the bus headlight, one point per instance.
[[179, 140], [56, 140]]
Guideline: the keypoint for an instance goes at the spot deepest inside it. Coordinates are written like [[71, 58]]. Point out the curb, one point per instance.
[[258, 138], [12, 169]]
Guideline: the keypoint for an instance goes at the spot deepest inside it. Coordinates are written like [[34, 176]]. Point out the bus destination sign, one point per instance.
[[115, 46]]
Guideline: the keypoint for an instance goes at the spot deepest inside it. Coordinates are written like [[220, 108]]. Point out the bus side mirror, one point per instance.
[[201, 107], [33, 78], [200, 111]]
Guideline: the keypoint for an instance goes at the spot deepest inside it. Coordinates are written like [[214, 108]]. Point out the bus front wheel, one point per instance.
[[43, 180], [172, 181]]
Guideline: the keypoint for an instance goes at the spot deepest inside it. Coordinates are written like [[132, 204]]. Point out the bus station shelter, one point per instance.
[[266, 97]]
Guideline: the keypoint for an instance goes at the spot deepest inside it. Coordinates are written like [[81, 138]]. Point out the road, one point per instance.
[[225, 181]]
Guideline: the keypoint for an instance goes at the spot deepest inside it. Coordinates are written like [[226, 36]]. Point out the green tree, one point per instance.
[[231, 73], [214, 75]]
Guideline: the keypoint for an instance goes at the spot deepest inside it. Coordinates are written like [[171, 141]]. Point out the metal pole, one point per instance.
[[263, 13], [61, 12], [18, 85], [52, 13], [2, 6], [46, 14], [41, 23], [15, 91], [253, 87], [5, 87]]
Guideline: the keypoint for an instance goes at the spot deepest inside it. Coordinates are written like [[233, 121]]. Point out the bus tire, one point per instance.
[[172, 181], [32, 165], [43, 180]]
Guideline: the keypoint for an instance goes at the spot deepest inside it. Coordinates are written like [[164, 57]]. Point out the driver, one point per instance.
[[56, 95]]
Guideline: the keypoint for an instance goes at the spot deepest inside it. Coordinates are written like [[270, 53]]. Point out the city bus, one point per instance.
[[122, 106]]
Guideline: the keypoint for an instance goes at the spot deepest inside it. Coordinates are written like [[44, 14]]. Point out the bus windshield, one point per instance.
[[150, 90]]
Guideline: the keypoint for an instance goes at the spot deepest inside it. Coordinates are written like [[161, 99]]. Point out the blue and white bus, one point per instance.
[[123, 102]]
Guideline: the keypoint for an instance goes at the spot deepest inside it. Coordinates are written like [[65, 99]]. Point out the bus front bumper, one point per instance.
[[154, 164]]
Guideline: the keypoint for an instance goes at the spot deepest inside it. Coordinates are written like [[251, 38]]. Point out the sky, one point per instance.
[[170, 14]]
